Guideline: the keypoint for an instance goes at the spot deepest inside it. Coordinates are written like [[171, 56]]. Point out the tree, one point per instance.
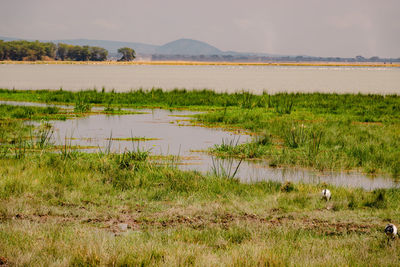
[[85, 53], [98, 53], [62, 51], [24, 50], [128, 54], [50, 49]]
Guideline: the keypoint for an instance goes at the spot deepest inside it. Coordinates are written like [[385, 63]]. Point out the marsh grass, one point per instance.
[[295, 135], [43, 135], [128, 158], [67, 151], [9, 112], [82, 103], [283, 104], [66, 212], [322, 141], [64, 209], [323, 131], [225, 168], [358, 107]]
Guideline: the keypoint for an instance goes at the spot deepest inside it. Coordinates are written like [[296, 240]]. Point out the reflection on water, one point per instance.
[[171, 134], [220, 78], [174, 136]]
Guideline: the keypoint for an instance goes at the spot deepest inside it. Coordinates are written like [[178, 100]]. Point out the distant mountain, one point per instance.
[[187, 47]]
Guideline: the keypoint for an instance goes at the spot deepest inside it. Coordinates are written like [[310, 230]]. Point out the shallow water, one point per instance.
[[172, 134], [250, 172], [256, 79], [175, 136], [186, 141]]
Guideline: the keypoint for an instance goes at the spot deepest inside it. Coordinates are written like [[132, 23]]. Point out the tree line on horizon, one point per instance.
[[31, 51]]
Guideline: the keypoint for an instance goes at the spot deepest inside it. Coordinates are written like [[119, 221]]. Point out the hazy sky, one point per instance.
[[308, 27]]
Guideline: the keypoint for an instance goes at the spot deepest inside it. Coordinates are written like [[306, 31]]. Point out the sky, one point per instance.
[[340, 28]]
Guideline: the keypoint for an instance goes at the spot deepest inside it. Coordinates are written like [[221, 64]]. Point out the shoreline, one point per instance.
[[210, 63]]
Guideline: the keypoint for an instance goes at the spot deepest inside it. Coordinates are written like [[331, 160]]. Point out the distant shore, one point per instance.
[[216, 63]]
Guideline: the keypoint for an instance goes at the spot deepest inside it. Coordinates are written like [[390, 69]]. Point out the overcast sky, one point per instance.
[[309, 27]]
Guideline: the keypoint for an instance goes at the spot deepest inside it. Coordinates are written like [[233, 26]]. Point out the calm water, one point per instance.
[[220, 78], [175, 136]]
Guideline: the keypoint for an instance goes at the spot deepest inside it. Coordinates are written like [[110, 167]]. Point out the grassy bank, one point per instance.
[[77, 209], [87, 210]]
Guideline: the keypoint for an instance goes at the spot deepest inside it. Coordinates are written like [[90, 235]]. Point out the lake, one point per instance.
[[273, 79]]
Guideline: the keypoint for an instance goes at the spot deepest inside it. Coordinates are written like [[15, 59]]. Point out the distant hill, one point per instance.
[[187, 47]]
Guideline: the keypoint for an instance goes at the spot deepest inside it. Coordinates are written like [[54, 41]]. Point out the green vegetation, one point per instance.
[[31, 113], [24, 50], [128, 54], [317, 138], [81, 53], [72, 210], [31, 51], [322, 131], [16, 137], [78, 209], [356, 107]]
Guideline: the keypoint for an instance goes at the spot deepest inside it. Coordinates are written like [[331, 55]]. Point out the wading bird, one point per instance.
[[391, 231], [326, 194]]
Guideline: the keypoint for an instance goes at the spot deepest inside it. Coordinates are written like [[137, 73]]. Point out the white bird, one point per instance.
[[391, 231], [326, 194]]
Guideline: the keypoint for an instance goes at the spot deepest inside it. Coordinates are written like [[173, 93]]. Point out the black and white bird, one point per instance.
[[391, 231], [326, 194]]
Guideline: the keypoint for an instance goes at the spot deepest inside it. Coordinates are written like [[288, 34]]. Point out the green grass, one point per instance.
[[32, 113], [321, 131], [321, 141], [65, 209], [357, 107], [16, 137], [62, 211]]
